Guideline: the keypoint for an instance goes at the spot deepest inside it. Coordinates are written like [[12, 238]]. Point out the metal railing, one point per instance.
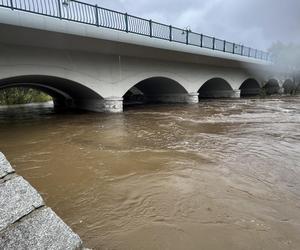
[[77, 11]]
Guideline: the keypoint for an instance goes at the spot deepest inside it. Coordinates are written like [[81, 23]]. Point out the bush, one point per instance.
[[21, 95]]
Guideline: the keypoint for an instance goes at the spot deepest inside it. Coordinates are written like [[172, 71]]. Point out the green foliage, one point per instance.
[[21, 95]]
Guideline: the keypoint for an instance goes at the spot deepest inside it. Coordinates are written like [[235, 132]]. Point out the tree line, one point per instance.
[[21, 95]]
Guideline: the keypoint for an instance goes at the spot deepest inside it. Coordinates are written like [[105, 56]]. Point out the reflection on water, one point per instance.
[[216, 175]]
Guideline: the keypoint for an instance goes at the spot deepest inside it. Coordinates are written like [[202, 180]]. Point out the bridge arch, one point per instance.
[[216, 88], [289, 86], [156, 89], [65, 93], [272, 87], [250, 87]]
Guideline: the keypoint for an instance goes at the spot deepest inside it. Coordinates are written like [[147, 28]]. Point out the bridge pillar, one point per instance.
[[236, 93], [192, 97], [173, 98], [281, 90], [220, 94], [113, 104], [110, 104]]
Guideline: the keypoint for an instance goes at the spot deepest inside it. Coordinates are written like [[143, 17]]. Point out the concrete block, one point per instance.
[[17, 199], [5, 167], [42, 229]]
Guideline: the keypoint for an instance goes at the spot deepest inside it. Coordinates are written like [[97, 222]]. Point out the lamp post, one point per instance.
[[66, 3]]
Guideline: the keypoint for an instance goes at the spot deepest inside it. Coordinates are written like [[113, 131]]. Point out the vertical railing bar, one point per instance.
[[42, 7], [59, 9], [97, 15], [117, 20], [83, 17], [52, 7], [201, 40], [34, 9], [224, 46], [85, 14], [115, 23], [187, 36], [69, 11], [170, 33], [48, 8], [106, 18], [91, 15], [126, 22], [150, 28], [110, 20], [100, 16], [12, 4], [81, 11], [233, 48], [77, 12]]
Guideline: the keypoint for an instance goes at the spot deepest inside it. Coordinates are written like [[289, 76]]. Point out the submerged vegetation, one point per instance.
[[22, 95]]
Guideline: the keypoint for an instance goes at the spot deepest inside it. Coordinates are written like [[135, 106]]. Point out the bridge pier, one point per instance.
[[109, 104], [220, 94], [113, 104], [236, 93], [192, 97], [173, 98]]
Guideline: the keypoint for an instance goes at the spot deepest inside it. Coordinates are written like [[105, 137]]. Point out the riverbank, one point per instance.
[[25, 221], [36, 104]]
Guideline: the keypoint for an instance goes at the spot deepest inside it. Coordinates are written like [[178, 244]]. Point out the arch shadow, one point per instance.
[[65, 93], [289, 87], [155, 90], [272, 87], [250, 87], [216, 88]]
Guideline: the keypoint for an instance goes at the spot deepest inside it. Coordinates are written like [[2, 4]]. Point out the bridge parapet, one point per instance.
[[76, 11]]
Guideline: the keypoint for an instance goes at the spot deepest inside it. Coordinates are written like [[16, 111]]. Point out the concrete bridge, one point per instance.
[[96, 59]]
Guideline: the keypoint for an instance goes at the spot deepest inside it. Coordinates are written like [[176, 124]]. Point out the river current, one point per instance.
[[222, 174]]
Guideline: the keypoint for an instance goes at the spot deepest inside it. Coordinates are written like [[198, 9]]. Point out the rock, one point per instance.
[[5, 167], [17, 199], [25, 222], [42, 229]]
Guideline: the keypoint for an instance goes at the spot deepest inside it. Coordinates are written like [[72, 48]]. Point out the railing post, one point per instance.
[[97, 15], [170, 32], [214, 40], [249, 52], [201, 40], [242, 50], [255, 55], [224, 46], [12, 4], [187, 37], [126, 22], [150, 27], [233, 48], [59, 9]]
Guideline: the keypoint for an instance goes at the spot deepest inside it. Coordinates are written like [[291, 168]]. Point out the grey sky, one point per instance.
[[256, 23]]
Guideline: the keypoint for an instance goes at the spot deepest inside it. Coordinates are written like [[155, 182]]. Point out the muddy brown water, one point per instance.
[[216, 175]]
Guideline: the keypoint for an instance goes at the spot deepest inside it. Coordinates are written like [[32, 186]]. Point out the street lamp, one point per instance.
[[66, 3]]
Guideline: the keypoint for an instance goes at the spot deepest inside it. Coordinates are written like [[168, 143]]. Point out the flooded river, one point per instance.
[[216, 175]]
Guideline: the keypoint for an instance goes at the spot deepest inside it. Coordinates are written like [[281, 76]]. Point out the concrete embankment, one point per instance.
[[25, 221]]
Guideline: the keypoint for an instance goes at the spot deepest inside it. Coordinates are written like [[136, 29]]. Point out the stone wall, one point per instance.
[[25, 221]]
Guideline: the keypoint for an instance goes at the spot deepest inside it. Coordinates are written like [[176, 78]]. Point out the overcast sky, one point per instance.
[[256, 23]]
